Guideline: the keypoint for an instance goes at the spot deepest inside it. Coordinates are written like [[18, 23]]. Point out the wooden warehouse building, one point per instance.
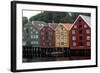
[[80, 35]]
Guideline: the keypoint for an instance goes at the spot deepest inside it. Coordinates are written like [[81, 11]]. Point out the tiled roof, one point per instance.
[[67, 26]]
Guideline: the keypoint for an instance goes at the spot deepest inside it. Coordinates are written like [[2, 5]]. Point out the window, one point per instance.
[[80, 26], [87, 31], [32, 42], [62, 33], [80, 38], [88, 43], [24, 43], [31, 32], [80, 43], [61, 27], [36, 32], [27, 30], [36, 36], [85, 26], [79, 20], [43, 43], [31, 27], [62, 43], [80, 31], [32, 37], [35, 42], [74, 37], [24, 28], [88, 38], [74, 43], [75, 26], [73, 31], [49, 44]]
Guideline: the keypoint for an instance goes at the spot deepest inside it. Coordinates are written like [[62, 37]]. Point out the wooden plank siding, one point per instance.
[[80, 34], [61, 36]]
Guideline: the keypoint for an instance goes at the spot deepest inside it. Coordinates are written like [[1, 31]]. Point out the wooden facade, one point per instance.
[[80, 33], [61, 36], [31, 34], [47, 39]]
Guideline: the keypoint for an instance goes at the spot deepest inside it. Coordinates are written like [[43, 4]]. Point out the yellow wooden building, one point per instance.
[[62, 35]]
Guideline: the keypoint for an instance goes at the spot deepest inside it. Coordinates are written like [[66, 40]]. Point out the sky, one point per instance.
[[29, 14]]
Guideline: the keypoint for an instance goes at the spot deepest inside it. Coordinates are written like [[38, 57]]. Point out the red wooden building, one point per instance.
[[80, 33], [47, 39]]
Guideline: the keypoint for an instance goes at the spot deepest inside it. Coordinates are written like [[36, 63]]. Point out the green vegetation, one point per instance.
[[56, 17]]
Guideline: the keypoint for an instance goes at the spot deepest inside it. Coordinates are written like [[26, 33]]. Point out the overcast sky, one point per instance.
[[28, 14]]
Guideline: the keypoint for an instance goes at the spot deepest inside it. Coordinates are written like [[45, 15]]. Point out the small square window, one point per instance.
[[75, 26], [36, 32], [49, 44], [24, 43], [32, 42], [79, 20], [31, 32], [36, 36], [80, 38], [42, 38], [88, 43], [62, 43], [32, 36], [31, 27], [74, 37], [87, 31], [24, 28], [80, 32], [74, 43], [88, 37], [73, 31], [85, 26], [81, 43], [44, 44], [80, 26]]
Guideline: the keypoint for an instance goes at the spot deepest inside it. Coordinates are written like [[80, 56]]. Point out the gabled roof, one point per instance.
[[58, 25], [53, 25], [39, 24], [67, 26], [87, 19]]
